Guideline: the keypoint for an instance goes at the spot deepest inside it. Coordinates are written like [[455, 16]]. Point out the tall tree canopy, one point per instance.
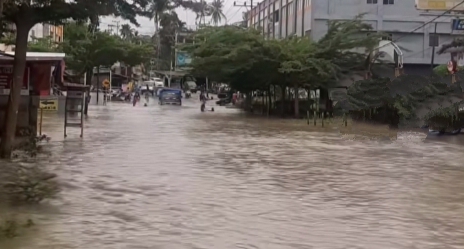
[[247, 61]]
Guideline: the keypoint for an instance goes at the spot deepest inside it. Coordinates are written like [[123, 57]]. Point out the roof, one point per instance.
[[172, 73], [35, 56]]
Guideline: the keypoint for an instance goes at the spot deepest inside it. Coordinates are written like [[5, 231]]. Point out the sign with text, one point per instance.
[[439, 5], [49, 104], [6, 80], [457, 24]]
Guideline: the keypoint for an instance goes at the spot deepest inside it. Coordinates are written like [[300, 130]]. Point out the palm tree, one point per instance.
[[158, 7], [216, 11], [126, 31]]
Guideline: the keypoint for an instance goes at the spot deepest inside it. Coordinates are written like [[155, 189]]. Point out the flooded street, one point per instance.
[[174, 178]]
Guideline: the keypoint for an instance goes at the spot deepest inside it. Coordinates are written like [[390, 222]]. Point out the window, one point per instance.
[[371, 1], [388, 2], [276, 16]]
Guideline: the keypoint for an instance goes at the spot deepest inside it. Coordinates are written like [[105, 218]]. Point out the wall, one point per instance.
[[56, 32], [37, 31], [397, 20]]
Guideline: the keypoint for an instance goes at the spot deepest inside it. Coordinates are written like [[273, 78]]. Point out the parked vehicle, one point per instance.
[[192, 86], [170, 96]]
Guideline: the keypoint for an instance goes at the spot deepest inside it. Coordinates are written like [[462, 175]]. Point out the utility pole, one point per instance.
[[117, 27], [433, 42], [246, 6]]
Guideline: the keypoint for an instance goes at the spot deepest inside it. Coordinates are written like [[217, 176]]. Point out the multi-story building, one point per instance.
[[397, 18], [44, 30]]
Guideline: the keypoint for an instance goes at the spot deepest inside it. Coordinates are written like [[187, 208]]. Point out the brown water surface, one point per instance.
[[173, 177]]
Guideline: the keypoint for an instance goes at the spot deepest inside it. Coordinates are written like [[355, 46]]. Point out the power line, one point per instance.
[[425, 24]]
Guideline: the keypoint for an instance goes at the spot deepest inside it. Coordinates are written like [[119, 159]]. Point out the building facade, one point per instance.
[[44, 30], [397, 18]]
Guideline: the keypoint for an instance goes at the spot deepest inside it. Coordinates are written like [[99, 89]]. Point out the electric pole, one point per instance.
[[246, 6], [117, 27]]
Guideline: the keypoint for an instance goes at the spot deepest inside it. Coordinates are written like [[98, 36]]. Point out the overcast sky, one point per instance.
[[233, 14]]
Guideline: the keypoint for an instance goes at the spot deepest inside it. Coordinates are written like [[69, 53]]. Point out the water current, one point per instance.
[[174, 178]]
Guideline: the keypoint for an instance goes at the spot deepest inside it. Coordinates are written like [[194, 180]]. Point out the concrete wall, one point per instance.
[[397, 20], [36, 31]]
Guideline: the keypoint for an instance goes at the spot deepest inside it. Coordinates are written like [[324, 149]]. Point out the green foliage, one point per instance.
[[368, 94], [247, 61], [45, 44], [85, 50], [416, 100]]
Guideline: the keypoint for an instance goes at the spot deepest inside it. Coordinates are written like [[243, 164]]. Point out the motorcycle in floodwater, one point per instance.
[[188, 94]]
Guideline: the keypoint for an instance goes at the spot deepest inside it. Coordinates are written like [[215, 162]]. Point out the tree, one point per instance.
[[248, 62], [25, 14], [44, 44], [126, 31], [200, 8], [217, 13], [157, 8], [85, 50], [165, 41]]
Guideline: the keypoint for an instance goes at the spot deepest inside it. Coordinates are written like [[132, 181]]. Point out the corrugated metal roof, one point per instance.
[[35, 56]]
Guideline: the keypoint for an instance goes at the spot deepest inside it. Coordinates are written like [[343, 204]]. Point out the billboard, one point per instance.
[[183, 59], [439, 5]]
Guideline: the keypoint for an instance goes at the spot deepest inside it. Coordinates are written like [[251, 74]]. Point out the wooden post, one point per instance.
[[41, 119], [322, 122], [314, 118], [307, 116]]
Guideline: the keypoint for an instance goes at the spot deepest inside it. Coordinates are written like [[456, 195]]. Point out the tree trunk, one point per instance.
[[19, 66], [282, 99], [269, 100], [88, 80], [98, 82], [297, 98]]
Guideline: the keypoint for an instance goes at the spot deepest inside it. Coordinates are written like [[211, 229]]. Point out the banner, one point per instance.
[[183, 59], [439, 5]]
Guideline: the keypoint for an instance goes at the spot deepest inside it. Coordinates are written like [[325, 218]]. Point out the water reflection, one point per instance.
[[172, 177]]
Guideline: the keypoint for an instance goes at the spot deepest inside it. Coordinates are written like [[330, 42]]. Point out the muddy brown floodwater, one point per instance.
[[172, 177]]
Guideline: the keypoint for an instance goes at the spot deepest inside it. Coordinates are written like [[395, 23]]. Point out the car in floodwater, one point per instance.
[[170, 97]]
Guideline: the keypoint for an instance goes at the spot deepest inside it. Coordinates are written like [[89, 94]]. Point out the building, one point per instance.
[[44, 30], [397, 18]]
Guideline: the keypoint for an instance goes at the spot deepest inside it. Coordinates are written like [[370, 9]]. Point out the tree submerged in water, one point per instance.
[[409, 101]]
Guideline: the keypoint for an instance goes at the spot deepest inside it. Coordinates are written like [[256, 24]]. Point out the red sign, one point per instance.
[[6, 80]]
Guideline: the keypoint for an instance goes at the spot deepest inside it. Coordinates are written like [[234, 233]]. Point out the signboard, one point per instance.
[[439, 5], [183, 59], [49, 104], [106, 84], [457, 24], [6, 80]]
